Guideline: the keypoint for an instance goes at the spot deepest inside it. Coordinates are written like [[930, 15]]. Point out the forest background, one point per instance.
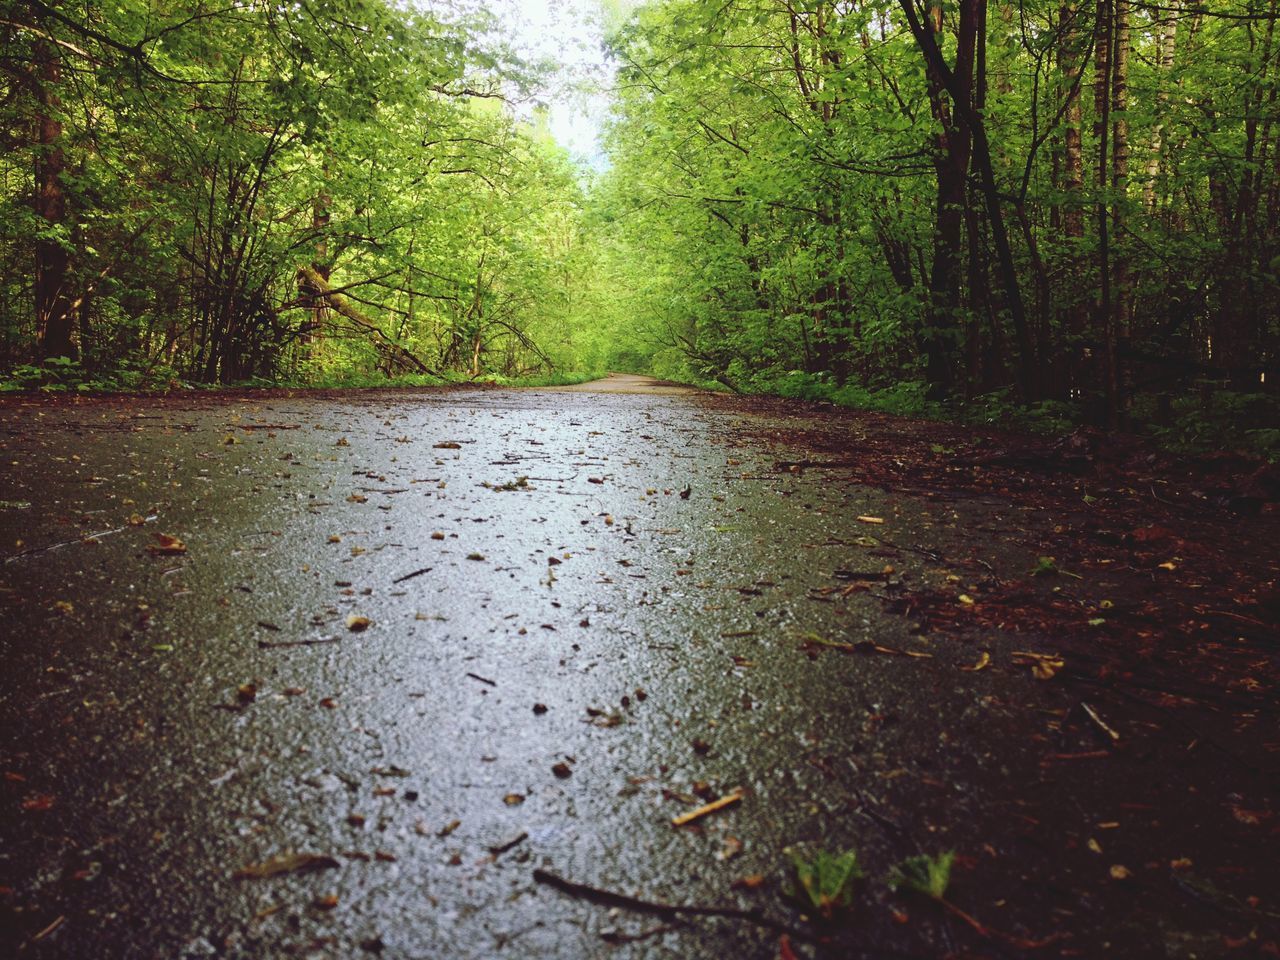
[[1045, 212]]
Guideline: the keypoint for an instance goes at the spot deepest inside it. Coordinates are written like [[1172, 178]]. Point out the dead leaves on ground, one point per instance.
[[1044, 666]]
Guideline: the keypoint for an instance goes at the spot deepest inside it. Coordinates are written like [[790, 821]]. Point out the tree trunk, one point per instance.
[[1076, 318], [52, 265], [1166, 40], [1121, 291], [343, 307], [321, 215], [952, 145], [1105, 361], [961, 96]]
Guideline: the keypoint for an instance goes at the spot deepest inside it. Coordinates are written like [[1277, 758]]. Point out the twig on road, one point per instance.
[[87, 538], [271, 645], [727, 800], [610, 898], [410, 576]]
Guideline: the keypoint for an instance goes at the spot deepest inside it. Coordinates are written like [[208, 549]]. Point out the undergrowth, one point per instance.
[[62, 375], [1207, 419]]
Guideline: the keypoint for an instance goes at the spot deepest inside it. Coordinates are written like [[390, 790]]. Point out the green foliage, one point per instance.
[[1211, 417], [1045, 567], [826, 880], [1001, 408], [924, 874], [365, 140], [62, 375], [351, 379], [777, 229], [544, 380], [774, 217]]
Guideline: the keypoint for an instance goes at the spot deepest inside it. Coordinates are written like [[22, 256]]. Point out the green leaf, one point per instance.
[[924, 874], [827, 879], [1045, 567]]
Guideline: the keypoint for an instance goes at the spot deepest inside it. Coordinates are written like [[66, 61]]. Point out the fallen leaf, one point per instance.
[[447, 445], [356, 624], [513, 799], [166, 545], [984, 661], [1120, 872], [1250, 818], [731, 848], [604, 718], [287, 863], [871, 519], [1043, 665], [1045, 669]]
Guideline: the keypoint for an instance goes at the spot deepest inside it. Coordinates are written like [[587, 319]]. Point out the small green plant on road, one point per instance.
[[826, 880]]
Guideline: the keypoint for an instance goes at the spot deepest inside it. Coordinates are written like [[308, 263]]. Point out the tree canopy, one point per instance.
[[1065, 206]]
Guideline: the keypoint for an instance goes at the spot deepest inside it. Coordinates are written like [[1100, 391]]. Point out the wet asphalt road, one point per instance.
[[584, 618]]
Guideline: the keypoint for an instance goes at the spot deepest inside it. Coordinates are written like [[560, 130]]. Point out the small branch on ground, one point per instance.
[[610, 898]]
